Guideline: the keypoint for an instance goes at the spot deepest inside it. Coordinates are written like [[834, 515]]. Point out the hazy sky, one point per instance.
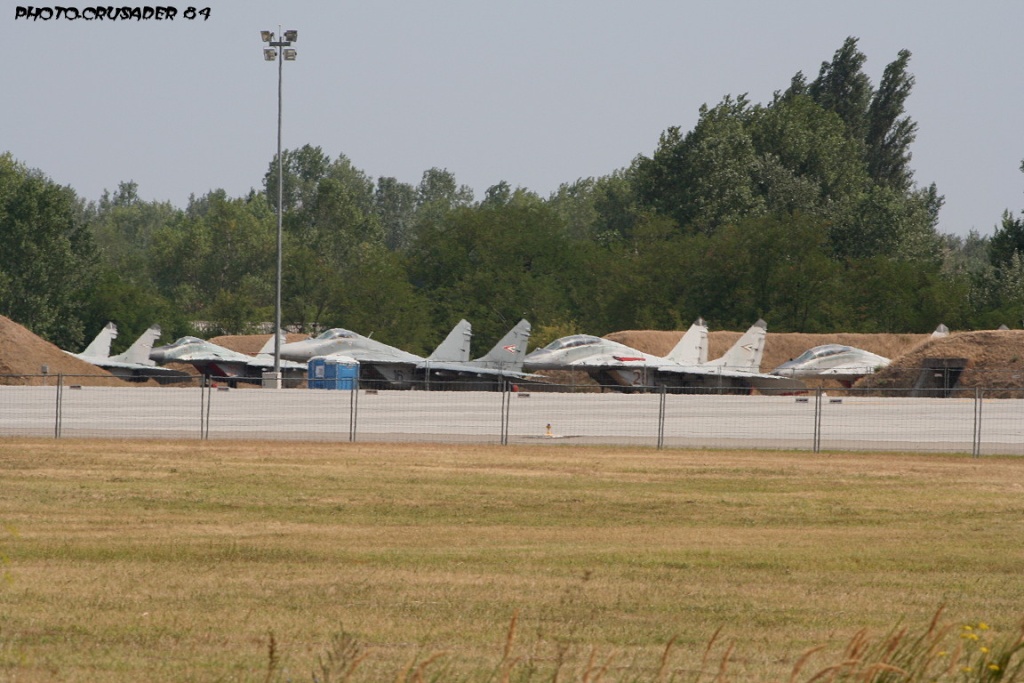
[[532, 92]]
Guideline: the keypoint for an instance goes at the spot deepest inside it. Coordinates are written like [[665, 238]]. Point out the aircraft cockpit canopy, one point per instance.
[[184, 341], [572, 341], [821, 352], [337, 333]]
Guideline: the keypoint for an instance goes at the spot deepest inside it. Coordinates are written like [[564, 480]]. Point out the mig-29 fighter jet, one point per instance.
[[844, 364], [214, 360], [380, 364], [685, 368]]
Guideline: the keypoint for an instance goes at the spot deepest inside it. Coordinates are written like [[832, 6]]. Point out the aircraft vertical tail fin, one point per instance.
[[268, 348], [940, 332], [138, 352], [745, 354], [510, 351], [692, 348], [100, 346], [455, 346]]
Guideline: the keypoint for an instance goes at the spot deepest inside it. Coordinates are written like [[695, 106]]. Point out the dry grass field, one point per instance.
[[212, 561]]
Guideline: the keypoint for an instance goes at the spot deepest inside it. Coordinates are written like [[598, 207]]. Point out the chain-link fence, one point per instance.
[[977, 421]]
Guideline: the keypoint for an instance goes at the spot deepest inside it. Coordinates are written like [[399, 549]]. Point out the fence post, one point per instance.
[[353, 409], [976, 452], [817, 421], [207, 389], [506, 405], [58, 413], [202, 407], [661, 418]]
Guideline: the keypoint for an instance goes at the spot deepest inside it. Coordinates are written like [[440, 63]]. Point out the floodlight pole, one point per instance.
[[280, 55]]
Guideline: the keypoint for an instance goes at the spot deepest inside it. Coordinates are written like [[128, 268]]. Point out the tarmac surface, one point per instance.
[[955, 425]]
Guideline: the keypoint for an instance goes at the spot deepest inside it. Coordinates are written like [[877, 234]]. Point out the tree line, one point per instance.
[[803, 211]]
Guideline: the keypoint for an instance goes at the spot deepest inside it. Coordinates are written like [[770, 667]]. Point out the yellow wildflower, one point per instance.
[[994, 666], [982, 625]]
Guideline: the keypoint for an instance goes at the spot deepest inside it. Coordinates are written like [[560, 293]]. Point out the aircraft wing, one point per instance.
[[470, 369], [707, 376], [126, 370], [268, 364], [846, 371], [612, 362]]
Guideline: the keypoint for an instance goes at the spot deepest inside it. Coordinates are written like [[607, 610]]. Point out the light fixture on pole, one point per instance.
[[282, 54]]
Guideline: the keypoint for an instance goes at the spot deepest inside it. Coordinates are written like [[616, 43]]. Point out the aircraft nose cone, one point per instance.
[[538, 360], [785, 370], [296, 351], [158, 354]]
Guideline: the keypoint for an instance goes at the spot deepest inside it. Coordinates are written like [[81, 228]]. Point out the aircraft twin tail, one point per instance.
[[135, 363]]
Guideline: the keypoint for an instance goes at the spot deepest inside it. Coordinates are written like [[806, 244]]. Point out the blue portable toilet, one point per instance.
[[332, 372]]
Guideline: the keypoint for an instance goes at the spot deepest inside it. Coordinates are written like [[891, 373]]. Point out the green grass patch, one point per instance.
[[210, 561]]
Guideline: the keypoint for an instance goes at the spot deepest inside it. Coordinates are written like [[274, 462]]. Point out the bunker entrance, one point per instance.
[[939, 377]]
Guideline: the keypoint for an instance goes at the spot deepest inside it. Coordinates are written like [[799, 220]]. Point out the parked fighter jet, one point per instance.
[[380, 364], [610, 362], [504, 361], [133, 364], [845, 364], [218, 361], [685, 368]]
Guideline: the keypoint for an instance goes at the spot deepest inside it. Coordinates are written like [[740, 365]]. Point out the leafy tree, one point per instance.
[[220, 246], [343, 215], [132, 306], [772, 267], [375, 297], [843, 87], [645, 281], [575, 204], [123, 226], [329, 204], [494, 264], [884, 221], [1008, 238], [1000, 288], [310, 287], [889, 132], [49, 259], [807, 162], [497, 195], [707, 177], [302, 169], [599, 209], [882, 294], [436, 196], [438, 187], [965, 254], [395, 207]]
